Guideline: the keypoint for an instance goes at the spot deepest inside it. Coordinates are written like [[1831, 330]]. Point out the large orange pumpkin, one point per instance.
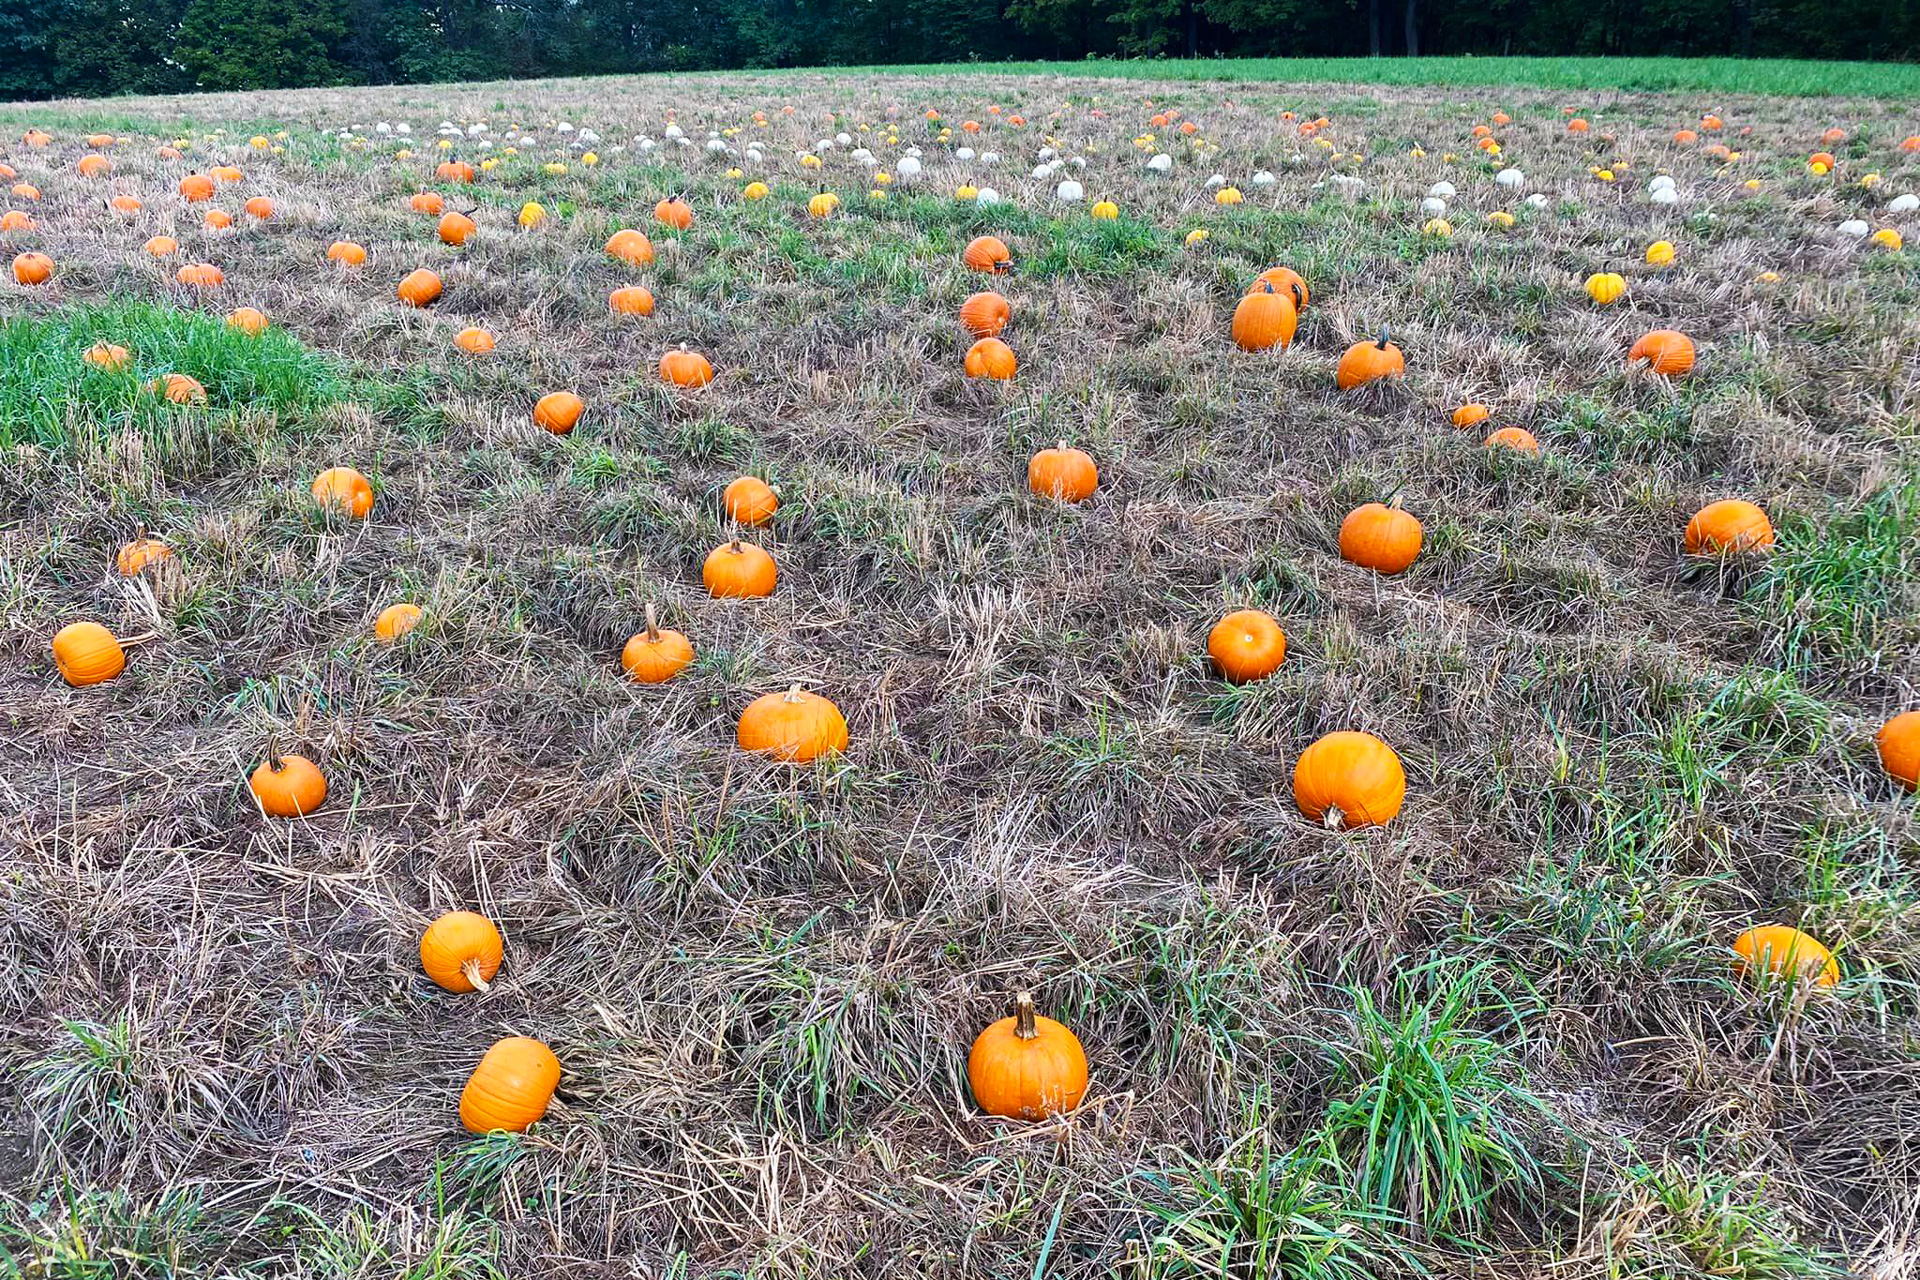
[[987, 253], [985, 314], [991, 358], [1026, 1066], [511, 1088], [796, 726], [739, 571], [421, 288], [1284, 280], [630, 300], [87, 653], [674, 212], [1382, 538], [683, 368], [1247, 644], [1349, 779], [32, 268], [1066, 474], [1775, 951], [288, 786], [461, 951], [1667, 352], [1264, 319], [631, 247], [1731, 524], [1899, 743], [750, 501], [343, 491], [1366, 362], [558, 411]]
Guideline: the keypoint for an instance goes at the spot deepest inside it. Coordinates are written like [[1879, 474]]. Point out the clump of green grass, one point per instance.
[[1670, 1220], [1832, 592]]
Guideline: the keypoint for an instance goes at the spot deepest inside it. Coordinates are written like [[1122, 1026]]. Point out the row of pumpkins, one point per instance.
[[1025, 1065]]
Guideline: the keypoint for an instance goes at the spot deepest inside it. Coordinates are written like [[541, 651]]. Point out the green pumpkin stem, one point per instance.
[[1023, 1017], [1383, 337]]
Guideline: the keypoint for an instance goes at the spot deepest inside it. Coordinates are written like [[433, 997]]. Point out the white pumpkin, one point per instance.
[[1853, 227], [1903, 204], [1512, 179], [1433, 206], [1442, 191], [1160, 163], [1069, 190]]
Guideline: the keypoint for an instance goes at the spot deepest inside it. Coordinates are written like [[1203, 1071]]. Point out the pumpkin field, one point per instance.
[[821, 675]]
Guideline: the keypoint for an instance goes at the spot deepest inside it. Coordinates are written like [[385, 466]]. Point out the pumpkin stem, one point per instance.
[[734, 547], [793, 693], [1023, 1015], [470, 970], [1383, 337], [653, 626], [1333, 819], [1061, 445], [274, 762]]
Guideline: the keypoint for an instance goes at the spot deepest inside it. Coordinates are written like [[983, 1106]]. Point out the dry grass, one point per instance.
[[220, 1057]]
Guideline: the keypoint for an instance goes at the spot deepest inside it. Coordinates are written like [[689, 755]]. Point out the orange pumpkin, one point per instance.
[[1471, 415], [1731, 524], [1365, 362], [108, 356], [16, 220], [1247, 644], [259, 207], [126, 204], [474, 341], [657, 654], [427, 202], [201, 275], [1668, 352], [991, 358], [226, 173], [343, 491], [454, 171], [739, 570], [1516, 438], [987, 253], [248, 320], [558, 411], [421, 288], [1778, 951], [179, 388], [25, 190], [631, 300], [1577, 125], [395, 621], [1349, 779], [985, 314], [456, 228], [32, 268], [630, 247], [674, 212], [1382, 538], [1899, 743], [161, 247], [750, 501], [217, 220], [347, 253], [141, 552], [511, 1088], [1284, 280], [1066, 474], [1264, 319], [461, 951], [683, 368], [795, 726], [1026, 1066], [288, 786], [196, 187], [86, 653]]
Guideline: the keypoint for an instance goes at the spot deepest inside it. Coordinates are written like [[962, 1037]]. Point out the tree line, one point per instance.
[[92, 48]]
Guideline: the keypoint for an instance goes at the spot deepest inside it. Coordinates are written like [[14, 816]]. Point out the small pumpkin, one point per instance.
[[985, 314], [126, 204], [25, 190], [343, 491], [987, 253], [1026, 1066], [1731, 524], [179, 388], [683, 368], [456, 228], [795, 726], [1068, 475], [739, 570], [1366, 362], [657, 654], [248, 320], [630, 247], [750, 501], [196, 187], [823, 205], [673, 212], [16, 220], [200, 275], [474, 341], [1606, 287], [217, 220], [346, 253], [108, 356], [1247, 644], [1349, 779], [421, 288], [427, 202], [1660, 253], [288, 786], [226, 173], [141, 552], [1899, 744], [630, 300], [511, 1088], [395, 621], [461, 951], [558, 411], [1264, 319], [454, 171], [1284, 280], [756, 191], [1385, 539], [259, 208], [1517, 438], [1471, 415], [1775, 951], [32, 268], [86, 653], [1668, 352], [991, 358]]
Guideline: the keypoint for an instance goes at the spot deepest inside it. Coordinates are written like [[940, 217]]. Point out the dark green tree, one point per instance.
[[261, 44]]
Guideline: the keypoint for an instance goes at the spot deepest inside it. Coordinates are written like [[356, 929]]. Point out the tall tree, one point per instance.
[[260, 44]]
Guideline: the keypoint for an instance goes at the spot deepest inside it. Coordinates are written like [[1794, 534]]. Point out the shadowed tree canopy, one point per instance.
[[103, 47]]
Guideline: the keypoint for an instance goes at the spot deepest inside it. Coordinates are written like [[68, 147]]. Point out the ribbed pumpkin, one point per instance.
[[248, 320], [1668, 352], [1517, 438], [343, 491], [1027, 1067], [1731, 524], [796, 726], [739, 570], [201, 275], [1285, 280], [1471, 415], [631, 300], [217, 220], [288, 786], [991, 358], [395, 621], [87, 653], [454, 171], [179, 388], [474, 341], [196, 187], [346, 253], [421, 288], [259, 208], [160, 247], [558, 411], [1066, 474], [1382, 538], [456, 228], [109, 356], [511, 1088], [16, 220], [657, 654], [1264, 319], [631, 247], [1899, 743], [750, 501], [32, 268], [683, 368], [1349, 779], [1772, 952], [1366, 362], [461, 951], [135, 556], [427, 202], [987, 253], [1247, 644], [673, 212], [226, 173], [1606, 287], [985, 314]]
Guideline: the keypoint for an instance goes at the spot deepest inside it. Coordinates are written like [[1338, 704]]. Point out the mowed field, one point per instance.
[[1503, 1033]]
